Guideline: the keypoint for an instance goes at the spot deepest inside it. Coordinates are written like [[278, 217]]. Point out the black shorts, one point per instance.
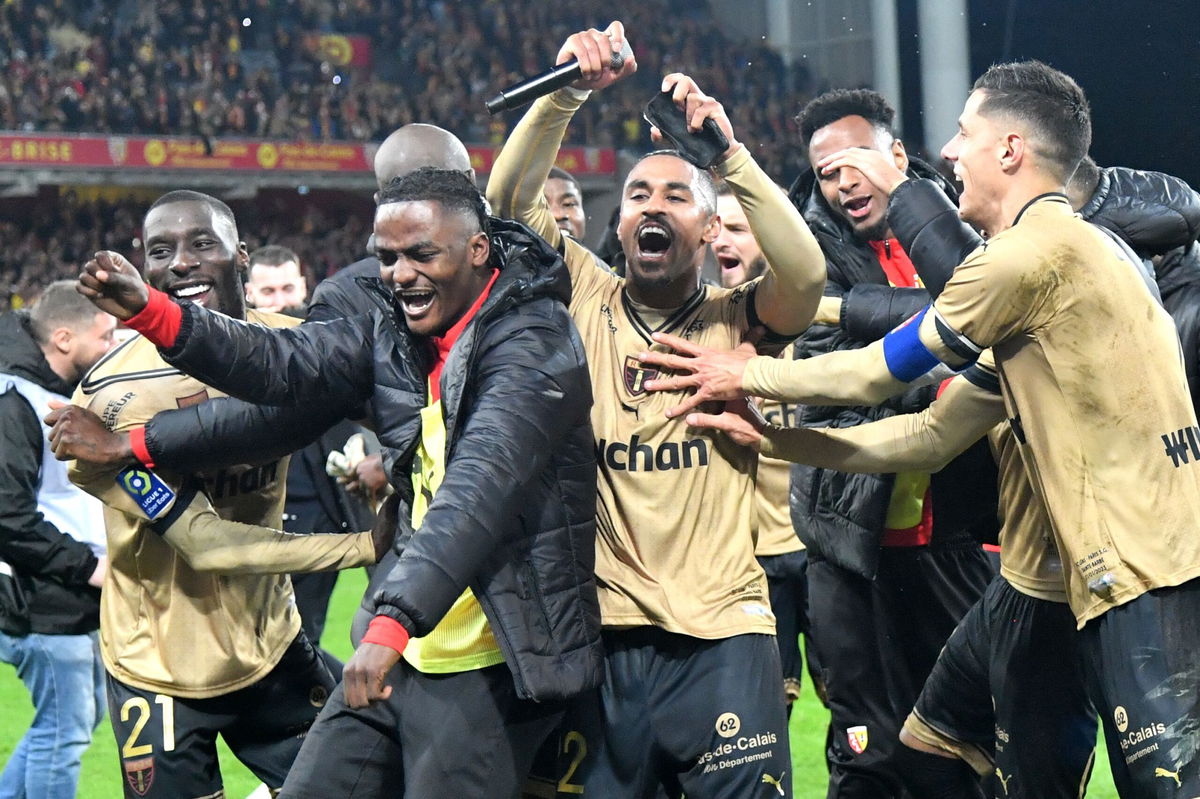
[[1141, 665], [877, 641], [1007, 695], [787, 582], [677, 715], [168, 746], [463, 734]]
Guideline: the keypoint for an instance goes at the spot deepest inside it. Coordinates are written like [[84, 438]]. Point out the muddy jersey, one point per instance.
[[776, 536], [1029, 557], [675, 516], [1092, 376], [163, 626]]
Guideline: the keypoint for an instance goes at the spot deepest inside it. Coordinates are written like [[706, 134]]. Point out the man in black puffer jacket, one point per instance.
[[478, 383], [895, 560], [1159, 217]]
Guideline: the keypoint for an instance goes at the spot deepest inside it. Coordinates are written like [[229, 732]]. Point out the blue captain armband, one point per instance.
[[906, 355]]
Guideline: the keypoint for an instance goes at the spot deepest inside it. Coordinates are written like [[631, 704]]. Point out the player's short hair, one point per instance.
[[562, 174], [1047, 100], [187, 196], [60, 305], [704, 187], [450, 188], [273, 255], [831, 106]]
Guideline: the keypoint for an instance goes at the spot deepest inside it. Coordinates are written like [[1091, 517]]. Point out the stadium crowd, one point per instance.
[[943, 430], [243, 68]]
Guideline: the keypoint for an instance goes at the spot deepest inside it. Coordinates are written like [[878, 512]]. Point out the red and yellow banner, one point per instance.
[[342, 49], [241, 155]]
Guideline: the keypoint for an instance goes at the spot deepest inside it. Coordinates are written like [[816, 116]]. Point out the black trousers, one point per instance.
[[464, 735], [876, 642]]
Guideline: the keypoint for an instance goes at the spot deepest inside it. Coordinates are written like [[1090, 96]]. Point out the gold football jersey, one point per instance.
[[776, 535], [676, 517], [164, 626], [1092, 376]]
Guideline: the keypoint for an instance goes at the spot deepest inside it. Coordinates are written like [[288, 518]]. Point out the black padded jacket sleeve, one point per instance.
[[870, 311], [530, 389], [927, 224], [28, 541], [226, 431], [310, 366]]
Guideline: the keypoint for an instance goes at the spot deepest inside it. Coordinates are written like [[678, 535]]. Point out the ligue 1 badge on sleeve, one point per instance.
[[857, 738], [144, 487]]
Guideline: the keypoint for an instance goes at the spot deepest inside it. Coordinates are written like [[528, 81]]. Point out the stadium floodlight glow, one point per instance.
[[337, 80], [245, 22]]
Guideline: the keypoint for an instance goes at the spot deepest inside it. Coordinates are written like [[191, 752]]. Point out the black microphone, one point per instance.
[[529, 90]]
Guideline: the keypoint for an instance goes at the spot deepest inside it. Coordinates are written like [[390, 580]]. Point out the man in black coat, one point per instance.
[[478, 382], [894, 559]]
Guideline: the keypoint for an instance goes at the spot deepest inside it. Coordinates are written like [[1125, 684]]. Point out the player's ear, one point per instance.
[[899, 155], [711, 230], [242, 258], [480, 249], [1012, 151]]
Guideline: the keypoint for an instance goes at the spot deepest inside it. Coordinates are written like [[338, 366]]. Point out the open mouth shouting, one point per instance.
[[654, 241], [415, 301], [728, 262], [195, 291], [858, 207]]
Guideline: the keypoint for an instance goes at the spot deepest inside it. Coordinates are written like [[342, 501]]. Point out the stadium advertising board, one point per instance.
[[239, 155]]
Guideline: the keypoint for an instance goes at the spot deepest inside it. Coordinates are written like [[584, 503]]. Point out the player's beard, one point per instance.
[[876, 232]]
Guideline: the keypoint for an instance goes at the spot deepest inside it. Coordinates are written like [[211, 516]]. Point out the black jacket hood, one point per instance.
[[22, 356], [1153, 212]]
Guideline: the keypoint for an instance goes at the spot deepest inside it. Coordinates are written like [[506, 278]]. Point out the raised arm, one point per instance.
[[328, 363], [790, 290], [515, 187]]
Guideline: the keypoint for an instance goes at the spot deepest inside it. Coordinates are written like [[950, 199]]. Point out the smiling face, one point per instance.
[[664, 227], [976, 152], [566, 205], [193, 254], [435, 262], [736, 250], [849, 194]]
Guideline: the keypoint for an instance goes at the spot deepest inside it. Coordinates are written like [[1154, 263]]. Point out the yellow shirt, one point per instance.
[[463, 639]]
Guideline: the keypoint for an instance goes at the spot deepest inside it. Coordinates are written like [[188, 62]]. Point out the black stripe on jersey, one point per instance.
[[983, 377], [771, 343], [92, 386], [956, 342], [182, 501], [671, 323], [106, 357]]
